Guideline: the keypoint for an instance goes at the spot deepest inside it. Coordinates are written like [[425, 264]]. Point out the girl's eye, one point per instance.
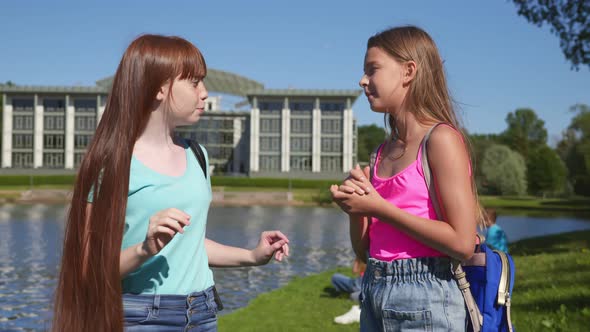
[[196, 83]]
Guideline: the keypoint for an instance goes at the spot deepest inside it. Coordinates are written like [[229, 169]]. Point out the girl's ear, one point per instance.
[[409, 71], [163, 91]]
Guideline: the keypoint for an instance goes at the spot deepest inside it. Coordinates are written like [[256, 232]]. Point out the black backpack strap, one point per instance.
[[198, 151]]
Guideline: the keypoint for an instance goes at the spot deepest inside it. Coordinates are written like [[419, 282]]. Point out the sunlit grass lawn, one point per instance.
[[551, 293]]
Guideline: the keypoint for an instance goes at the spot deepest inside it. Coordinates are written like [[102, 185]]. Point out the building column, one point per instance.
[[316, 137], [69, 158], [99, 109], [237, 137], [38, 133], [254, 135], [347, 136], [6, 132], [285, 136]]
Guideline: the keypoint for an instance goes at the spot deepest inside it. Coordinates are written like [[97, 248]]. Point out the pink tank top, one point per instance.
[[407, 190]]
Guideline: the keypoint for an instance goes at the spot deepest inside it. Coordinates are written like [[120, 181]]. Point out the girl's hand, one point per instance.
[[356, 195], [271, 242], [164, 225], [357, 181]]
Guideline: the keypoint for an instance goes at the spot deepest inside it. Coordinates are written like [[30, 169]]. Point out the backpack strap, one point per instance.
[[199, 154], [373, 161], [458, 273]]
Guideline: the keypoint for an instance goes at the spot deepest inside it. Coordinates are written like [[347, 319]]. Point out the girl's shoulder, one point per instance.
[[445, 136]]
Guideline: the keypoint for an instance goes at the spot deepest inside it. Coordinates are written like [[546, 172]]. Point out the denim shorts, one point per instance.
[[194, 312], [417, 294]]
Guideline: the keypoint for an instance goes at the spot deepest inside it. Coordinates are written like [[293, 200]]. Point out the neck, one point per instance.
[[158, 133], [408, 127]]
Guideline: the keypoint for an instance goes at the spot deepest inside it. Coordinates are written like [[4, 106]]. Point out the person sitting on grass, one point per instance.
[[352, 286], [495, 235]]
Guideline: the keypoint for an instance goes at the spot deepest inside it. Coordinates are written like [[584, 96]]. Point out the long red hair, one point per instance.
[[88, 295]]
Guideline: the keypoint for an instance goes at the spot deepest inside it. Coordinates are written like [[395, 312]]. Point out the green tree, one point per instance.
[[479, 143], [369, 138], [574, 148], [568, 19], [525, 131], [546, 172], [504, 171]]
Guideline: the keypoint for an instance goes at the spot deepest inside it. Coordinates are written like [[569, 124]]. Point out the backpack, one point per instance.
[[486, 280], [198, 151]]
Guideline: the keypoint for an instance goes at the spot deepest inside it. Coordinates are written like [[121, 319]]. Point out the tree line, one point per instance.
[[518, 161]]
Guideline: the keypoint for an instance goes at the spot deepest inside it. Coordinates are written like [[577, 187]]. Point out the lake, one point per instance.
[[31, 235]]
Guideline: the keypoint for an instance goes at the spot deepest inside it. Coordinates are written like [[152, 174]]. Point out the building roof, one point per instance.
[[304, 93], [216, 81]]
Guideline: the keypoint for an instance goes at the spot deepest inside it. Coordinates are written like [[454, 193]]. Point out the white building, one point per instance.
[[308, 132]]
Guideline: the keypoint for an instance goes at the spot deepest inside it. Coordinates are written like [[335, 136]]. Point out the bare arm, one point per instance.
[[450, 165], [271, 243], [359, 235]]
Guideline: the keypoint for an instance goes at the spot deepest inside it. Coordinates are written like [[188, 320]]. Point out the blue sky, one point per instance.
[[495, 60]]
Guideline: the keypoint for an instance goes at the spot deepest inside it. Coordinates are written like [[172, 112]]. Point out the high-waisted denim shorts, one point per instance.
[[194, 312], [417, 294]]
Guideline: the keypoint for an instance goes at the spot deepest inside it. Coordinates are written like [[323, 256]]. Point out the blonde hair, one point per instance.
[[428, 98]]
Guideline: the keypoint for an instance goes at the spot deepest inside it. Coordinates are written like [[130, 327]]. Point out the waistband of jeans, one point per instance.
[[167, 300], [410, 269]]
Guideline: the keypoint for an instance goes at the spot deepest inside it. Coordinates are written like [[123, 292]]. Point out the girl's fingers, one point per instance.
[[162, 229], [351, 189], [182, 217], [363, 185]]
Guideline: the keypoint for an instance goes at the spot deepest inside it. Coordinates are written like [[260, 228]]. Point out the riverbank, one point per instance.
[[268, 196], [551, 293]]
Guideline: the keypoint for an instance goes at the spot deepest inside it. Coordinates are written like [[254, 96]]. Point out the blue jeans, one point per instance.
[[348, 285], [196, 312], [417, 294]]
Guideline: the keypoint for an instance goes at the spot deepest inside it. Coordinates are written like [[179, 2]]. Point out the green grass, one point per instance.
[[552, 287], [305, 304], [551, 293], [579, 204]]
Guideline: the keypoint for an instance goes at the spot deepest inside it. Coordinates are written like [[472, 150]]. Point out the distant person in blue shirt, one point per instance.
[[495, 235]]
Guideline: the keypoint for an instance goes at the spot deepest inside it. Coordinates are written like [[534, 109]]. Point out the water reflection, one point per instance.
[[30, 247]]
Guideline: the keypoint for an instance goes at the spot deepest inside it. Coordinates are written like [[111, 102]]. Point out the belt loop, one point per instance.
[[156, 306]]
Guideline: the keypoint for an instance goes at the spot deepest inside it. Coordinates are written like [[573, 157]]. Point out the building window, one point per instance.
[[270, 163], [23, 122], [270, 125], [331, 144], [22, 141], [53, 122], [53, 160], [331, 126], [300, 163], [85, 123], [270, 144], [22, 159], [331, 164], [270, 107], [78, 156], [82, 141], [23, 105], [85, 105], [301, 144], [52, 141], [301, 108], [301, 126], [331, 108], [54, 105]]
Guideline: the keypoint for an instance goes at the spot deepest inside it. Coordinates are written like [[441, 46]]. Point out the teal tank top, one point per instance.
[[182, 266]]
